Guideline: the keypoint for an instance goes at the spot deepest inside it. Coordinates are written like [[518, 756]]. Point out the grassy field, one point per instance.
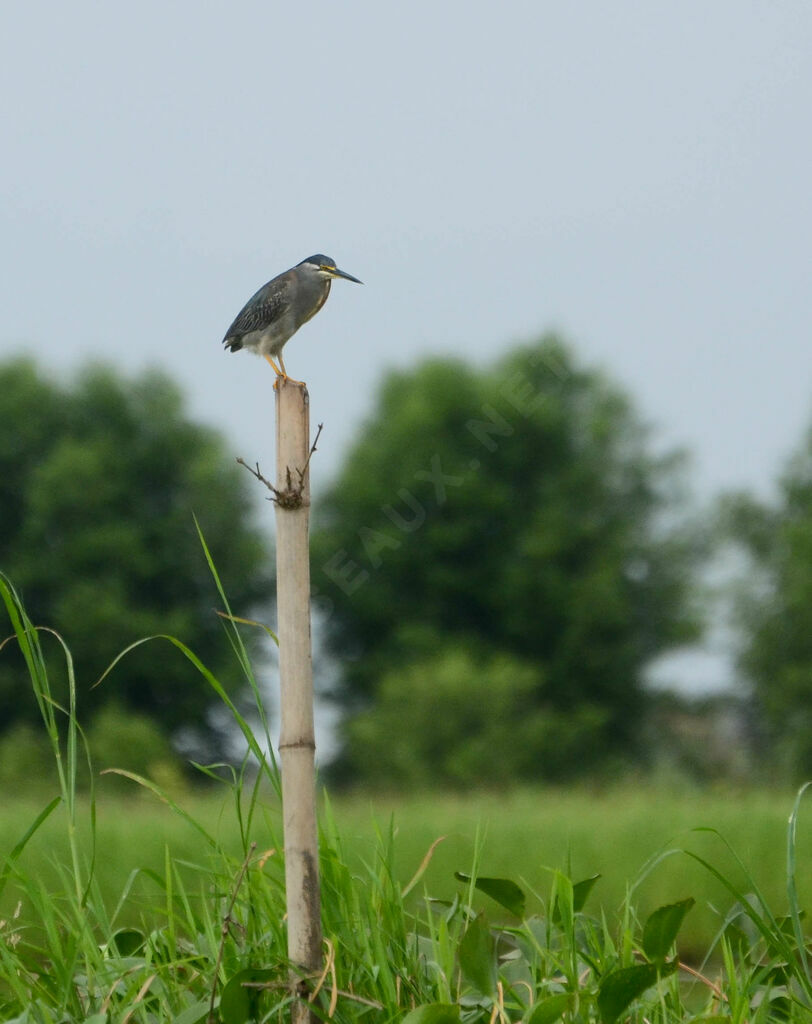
[[143, 906], [520, 835], [615, 834]]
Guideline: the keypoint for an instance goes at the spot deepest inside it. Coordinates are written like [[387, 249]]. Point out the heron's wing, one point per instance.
[[262, 309]]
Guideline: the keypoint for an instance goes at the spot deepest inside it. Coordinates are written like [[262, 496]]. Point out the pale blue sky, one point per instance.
[[636, 175]]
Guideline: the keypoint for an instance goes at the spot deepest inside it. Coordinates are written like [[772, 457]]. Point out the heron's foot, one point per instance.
[[290, 380], [283, 374]]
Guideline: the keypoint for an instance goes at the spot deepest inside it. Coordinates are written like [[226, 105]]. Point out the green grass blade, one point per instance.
[[13, 856], [167, 799], [210, 678], [792, 888], [239, 647]]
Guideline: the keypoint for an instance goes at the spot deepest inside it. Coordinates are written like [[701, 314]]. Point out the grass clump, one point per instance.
[[201, 938]]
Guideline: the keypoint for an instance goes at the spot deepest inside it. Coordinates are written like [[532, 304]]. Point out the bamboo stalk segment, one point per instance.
[[297, 737]]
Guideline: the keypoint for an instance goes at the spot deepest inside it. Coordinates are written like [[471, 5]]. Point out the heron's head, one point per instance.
[[326, 268]]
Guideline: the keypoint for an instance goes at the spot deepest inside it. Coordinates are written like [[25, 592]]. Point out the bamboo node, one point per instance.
[[298, 745]]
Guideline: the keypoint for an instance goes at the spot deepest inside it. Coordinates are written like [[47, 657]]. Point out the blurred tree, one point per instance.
[[98, 486], [456, 720], [774, 609], [122, 739], [513, 514], [26, 761]]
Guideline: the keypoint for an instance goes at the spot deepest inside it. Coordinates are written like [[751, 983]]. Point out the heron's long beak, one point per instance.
[[335, 272]]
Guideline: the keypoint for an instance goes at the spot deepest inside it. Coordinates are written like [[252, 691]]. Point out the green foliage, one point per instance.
[[506, 893], [433, 1013], [621, 987], [511, 513], [476, 955], [125, 740], [660, 931], [455, 720], [775, 608], [25, 760], [210, 945], [99, 482]]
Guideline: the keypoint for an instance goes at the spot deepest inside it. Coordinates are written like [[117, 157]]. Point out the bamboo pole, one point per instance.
[[297, 738]]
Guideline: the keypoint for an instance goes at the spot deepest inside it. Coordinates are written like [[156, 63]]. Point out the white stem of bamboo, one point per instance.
[[297, 738]]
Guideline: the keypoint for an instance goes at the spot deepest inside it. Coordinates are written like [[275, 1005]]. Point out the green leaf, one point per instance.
[[581, 891], [128, 941], [433, 1013], [506, 893], [477, 956], [619, 988], [550, 1009], [564, 901], [197, 1013], [237, 1001], [661, 929]]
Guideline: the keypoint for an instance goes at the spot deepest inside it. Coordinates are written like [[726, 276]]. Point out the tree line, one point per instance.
[[499, 559]]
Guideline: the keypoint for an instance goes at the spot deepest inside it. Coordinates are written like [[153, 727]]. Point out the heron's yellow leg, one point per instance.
[[284, 373]]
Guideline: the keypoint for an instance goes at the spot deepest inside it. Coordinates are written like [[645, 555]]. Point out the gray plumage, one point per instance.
[[275, 313]]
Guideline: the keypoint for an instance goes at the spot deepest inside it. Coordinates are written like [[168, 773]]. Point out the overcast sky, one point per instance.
[[634, 175]]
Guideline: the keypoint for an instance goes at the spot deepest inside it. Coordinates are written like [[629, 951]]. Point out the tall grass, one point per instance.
[[201, 937]]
